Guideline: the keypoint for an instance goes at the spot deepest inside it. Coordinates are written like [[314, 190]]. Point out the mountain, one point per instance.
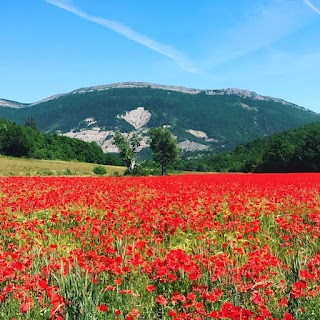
[[202, 120]]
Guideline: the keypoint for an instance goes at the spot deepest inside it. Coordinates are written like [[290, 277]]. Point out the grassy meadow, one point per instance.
[[10, 166]]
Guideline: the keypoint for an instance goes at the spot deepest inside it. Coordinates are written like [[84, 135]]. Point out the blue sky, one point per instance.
[[55, 46]]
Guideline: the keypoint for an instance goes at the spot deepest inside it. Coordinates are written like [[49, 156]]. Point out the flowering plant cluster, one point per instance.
[[221, 246]]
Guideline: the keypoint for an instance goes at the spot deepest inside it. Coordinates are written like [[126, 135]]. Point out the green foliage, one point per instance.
[[296, 150], [30, 123], [277, 155], [128, 147], [164, 147], [146, 168], [113, 159], [68, 172], [24, 141], [229, 119], [99, 170], [307, 154], [46, 173], [82, 295], [14, 140]]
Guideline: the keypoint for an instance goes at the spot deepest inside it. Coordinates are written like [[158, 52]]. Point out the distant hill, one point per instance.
[[295, 150], [202, 120]]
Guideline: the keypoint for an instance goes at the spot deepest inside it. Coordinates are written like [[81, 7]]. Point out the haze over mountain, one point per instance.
[[202, 120]]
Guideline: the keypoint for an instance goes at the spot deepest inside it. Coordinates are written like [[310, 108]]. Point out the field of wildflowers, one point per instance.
[[222, 246]]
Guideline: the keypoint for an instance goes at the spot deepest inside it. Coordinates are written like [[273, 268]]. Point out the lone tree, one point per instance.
[[164, 147], [127, 146]]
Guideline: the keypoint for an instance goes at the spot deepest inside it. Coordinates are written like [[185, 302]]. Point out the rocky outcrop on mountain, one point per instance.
[[11, 104], [213, 120], [137, 118]]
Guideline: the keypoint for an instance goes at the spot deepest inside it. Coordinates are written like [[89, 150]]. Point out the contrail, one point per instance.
[[312, 6], [129, 33]]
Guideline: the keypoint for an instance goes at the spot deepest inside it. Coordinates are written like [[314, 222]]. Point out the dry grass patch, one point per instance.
[[10, 166]]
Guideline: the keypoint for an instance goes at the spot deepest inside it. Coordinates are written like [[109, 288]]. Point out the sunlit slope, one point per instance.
[[22, 167], [213, 120]]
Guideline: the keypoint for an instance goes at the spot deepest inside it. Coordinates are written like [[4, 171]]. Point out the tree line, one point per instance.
[[295, 150], [27, 141]]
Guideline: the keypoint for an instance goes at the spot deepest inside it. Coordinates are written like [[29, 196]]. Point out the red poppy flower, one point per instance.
[[150, 288], [161, 300], [102, 308]]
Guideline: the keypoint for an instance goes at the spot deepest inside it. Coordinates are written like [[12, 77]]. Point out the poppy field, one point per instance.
[[216, 246]]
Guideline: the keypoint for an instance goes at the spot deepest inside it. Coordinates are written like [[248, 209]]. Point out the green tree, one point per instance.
[[128, 147], [164, 147], [307, 156], [30, 123], [278, 155], [14, 140]]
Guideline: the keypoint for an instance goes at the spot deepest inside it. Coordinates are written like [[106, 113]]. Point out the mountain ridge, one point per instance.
[[202, 120], [135, 84]]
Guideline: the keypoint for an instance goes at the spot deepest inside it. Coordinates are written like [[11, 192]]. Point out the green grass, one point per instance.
[[10, 166]]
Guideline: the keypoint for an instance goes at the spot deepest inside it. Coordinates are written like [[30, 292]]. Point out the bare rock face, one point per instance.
[[245, 106], [11, 104], [202, 135], [137, 118], [188, 145], [101, 137]]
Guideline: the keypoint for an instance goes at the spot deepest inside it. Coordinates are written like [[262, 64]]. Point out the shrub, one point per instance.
[[99, 170], [142, 170], [46, 172], [68, 172]]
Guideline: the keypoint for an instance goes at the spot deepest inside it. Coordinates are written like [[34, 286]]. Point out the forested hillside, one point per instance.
[[295, 150], [202, 120], [26, 141]]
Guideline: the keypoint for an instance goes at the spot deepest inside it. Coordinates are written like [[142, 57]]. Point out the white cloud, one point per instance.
[[312, 6], [260, 28], [129, 33]]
